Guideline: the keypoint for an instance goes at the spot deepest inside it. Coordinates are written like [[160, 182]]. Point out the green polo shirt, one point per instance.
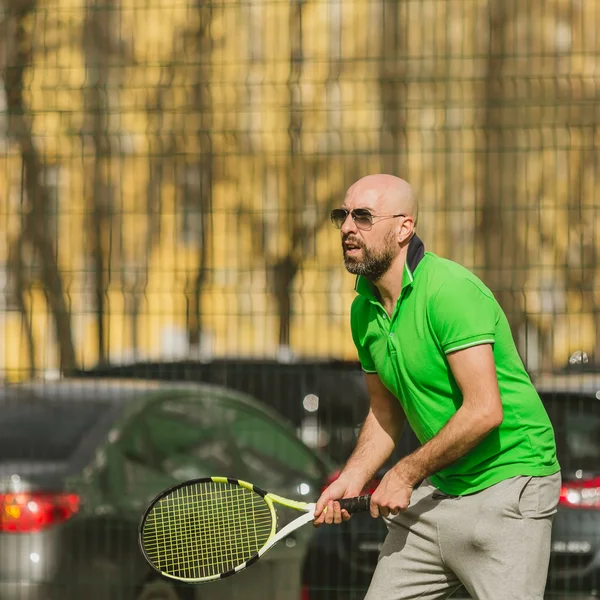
[[443, 308]]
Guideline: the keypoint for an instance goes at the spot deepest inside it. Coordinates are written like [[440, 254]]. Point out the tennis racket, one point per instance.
[[208, 529]]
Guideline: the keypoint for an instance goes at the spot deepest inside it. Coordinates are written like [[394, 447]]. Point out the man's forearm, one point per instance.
[[460, 435], [376, 442]]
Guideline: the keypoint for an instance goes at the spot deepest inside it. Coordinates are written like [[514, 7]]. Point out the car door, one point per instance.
[[209, 432]]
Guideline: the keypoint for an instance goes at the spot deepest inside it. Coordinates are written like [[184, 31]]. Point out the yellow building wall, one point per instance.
[[160, 53]]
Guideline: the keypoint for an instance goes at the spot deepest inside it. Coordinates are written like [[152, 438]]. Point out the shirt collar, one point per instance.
[[414, 255]]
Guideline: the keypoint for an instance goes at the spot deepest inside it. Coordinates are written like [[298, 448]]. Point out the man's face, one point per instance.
[[367, 252]]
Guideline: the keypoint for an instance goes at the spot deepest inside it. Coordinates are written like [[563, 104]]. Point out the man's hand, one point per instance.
[[328, 510], [392, 494]]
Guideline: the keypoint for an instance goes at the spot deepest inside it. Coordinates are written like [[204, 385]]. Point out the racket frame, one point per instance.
[[275, 536]]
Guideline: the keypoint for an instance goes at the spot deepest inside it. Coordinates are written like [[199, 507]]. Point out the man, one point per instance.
[[437, 351]]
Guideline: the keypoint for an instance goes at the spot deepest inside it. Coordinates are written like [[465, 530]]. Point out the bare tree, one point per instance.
[[99, 48], [201, 204], [162, 147], [20, 284], [392, 85], [35, 231], [505, 270], [284, 270]]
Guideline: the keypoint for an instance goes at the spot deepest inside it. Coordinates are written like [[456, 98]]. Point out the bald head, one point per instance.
[[384, 194]]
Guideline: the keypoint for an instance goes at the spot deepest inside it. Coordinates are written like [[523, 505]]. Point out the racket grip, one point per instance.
[[358, 504]]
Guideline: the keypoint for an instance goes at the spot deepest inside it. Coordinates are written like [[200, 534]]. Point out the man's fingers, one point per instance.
[[374, 509], [321, 504], [337, 513], [386, 512], [332, 513], [319, 520]]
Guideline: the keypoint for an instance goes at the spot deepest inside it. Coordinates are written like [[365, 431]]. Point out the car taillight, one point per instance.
[[330, 479], [304, 593], [581, 494], [27, 512], [371, 486], [368, 489]]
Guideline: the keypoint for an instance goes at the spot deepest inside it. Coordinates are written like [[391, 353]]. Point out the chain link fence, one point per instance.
[[168, 168]]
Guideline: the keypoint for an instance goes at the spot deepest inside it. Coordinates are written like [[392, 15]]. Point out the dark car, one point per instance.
[[340, 561], [324, 399], [81, 459]]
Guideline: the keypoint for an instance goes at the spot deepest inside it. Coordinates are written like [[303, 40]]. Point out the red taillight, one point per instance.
[[581, 494], [371, 486], [304, 593], [368, 489], [27, 512], [330, 479]]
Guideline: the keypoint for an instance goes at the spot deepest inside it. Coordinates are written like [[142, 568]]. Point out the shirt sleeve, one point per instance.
[[463, 315], [364, 356]]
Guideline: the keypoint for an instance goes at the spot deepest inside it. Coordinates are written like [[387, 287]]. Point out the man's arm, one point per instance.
[[379, 433], [475, 372], [376, 442]]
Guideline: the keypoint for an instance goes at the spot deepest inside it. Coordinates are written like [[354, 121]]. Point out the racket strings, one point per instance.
[[229, 542], [206, 529], [194, 539]]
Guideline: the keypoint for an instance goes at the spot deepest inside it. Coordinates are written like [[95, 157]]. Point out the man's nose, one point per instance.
[[348, 226]]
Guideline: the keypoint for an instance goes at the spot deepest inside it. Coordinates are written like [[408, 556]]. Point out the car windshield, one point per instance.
[[45, 431], [198, 439], [576, 421]]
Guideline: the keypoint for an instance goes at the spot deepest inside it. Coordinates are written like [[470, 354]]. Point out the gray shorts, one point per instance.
[[495, 543]]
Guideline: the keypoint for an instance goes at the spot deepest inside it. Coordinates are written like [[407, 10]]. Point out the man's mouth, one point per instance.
[[351, 248]]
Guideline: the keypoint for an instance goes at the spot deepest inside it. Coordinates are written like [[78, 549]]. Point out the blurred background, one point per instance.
[[167, 169]]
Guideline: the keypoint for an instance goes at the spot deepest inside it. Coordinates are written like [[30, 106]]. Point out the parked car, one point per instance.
[[81, 459], [341, 559], [324, 399]]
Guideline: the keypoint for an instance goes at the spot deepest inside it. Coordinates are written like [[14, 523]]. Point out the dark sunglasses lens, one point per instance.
[[362, 218], [338, 216]]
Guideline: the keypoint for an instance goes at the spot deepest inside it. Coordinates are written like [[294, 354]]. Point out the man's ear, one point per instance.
[[406, 230]]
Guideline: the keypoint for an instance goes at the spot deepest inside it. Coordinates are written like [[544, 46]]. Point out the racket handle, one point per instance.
[[358, 504]]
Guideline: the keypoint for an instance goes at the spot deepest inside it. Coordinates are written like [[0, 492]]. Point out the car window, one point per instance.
[[576, 422], [269, 450], [189, 440], [142, 481], [203, 436], [46, 431]]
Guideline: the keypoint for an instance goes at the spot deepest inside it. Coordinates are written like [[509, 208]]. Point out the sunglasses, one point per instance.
[[362, 217]]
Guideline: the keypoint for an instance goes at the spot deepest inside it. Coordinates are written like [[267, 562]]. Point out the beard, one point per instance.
[[374, 263]]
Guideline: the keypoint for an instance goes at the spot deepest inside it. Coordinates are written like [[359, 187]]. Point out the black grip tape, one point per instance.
[[355, 505]]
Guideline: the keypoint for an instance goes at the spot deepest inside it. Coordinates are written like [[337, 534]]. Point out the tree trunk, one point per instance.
[[98, 49], [505, 262], [392, 88], [205, 169], [36, 229], [17, 271], [284, 270]]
